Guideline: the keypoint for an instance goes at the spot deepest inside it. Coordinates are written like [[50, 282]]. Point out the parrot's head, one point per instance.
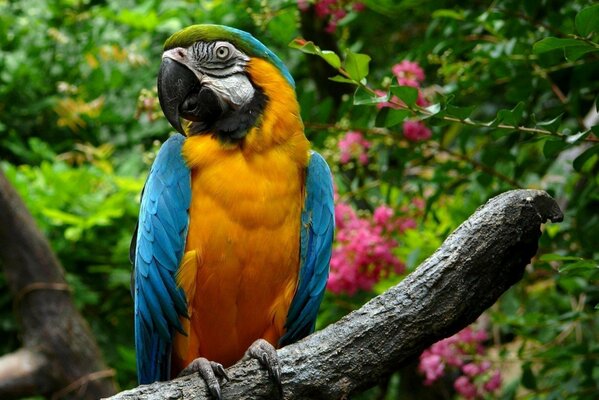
[[208, 81]]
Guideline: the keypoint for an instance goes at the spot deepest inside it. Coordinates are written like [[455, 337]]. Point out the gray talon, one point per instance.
[[221, 372], [266, 355], [210, 371], [215, 392]]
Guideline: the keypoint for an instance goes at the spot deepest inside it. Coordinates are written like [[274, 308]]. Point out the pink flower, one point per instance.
[[419, 203], [354, 146], [421, 101], [416, 131], [339, 13], [303, 5], [494, 382], [382, 215], [323, 7], [408, 73], [333, 10], [465, 387], [470, 369], [455, 355], [485, 364], [432, 367], [344, 215], [364, 251], [358, 7], [331, 27], [363, 158], [403, 224]]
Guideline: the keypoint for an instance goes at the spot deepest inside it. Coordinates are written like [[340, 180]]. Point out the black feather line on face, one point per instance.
[[233, 125]]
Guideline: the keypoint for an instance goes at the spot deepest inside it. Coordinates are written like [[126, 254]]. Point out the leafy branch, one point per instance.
[[401, 100]]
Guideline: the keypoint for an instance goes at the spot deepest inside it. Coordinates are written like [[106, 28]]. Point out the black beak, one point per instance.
[[175, 83], [182, 96]]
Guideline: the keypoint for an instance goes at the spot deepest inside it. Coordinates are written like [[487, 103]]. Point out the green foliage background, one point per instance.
[[513, 88]]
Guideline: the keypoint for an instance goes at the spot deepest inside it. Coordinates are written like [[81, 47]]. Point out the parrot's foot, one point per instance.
[[266, 355], [210, 371]]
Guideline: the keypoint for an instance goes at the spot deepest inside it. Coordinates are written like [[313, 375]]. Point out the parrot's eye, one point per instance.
[[222, 52]]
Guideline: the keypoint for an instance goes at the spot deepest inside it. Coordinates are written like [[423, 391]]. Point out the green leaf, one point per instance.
[[581, 160], [342, 79], [573, 48], [529, 380], [582, 265], [407, 94], [448, 13], [433, 110], [395, 116], [61, 217], [578, 137], [572, 284], [553, 43], [332, 58], [509, 117], [363, 96], [558, 257], [356, 65], [553, 146], [552, 124], [587, 20], [309, 47], [574, 53], [381, 117], [459, 112], [484, 179], [304, 46], [73, 233]]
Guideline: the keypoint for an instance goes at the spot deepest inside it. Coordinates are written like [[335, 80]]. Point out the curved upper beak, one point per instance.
[[175, 83]]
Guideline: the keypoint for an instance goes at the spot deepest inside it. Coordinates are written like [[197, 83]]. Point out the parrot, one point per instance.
[[232, 246]]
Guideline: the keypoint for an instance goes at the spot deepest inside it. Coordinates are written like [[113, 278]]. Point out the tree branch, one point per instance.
[[22, 375], [477, 263], [60, 357]]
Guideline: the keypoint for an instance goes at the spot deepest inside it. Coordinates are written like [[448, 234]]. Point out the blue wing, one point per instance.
[[316, 241], [156, 251]]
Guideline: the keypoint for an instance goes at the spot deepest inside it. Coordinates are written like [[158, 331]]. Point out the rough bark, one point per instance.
[[477, 263], [60, 357]]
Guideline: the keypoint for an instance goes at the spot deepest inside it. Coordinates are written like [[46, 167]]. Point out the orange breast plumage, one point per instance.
[[242, 255]]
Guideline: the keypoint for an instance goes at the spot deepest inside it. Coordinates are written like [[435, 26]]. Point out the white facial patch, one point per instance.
[[235, 89], [219, 66]]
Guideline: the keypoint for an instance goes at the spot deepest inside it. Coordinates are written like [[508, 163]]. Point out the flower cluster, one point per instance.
[[364, 251], [353, 146], [334, 10], [415, 131], [457, 353], [409, 73]]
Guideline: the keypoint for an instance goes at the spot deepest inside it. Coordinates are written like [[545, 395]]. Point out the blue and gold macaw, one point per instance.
[[236, 224]]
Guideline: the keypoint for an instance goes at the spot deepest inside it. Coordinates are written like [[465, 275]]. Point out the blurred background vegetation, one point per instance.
[[500, 95]]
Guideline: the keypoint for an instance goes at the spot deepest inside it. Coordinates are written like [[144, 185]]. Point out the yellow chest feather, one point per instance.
[[243, 242]]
